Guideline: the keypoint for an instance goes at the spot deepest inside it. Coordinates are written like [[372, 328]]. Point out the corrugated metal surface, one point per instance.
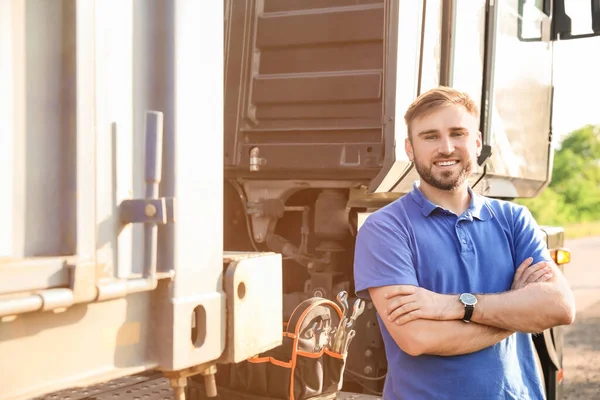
[[128, 387], [151, 386], [305, 84]]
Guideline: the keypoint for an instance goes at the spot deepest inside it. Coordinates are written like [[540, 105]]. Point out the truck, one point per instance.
[[180, 175]]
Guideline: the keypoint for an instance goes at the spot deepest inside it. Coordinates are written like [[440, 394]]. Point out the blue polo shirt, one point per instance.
[[414, 242]]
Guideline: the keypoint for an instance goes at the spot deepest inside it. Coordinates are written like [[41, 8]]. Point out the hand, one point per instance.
[[526, 274], [407, 303]]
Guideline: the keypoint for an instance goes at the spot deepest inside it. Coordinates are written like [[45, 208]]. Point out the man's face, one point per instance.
[[445, 146]]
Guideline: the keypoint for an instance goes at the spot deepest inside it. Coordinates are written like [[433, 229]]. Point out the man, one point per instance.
[[459, 281]]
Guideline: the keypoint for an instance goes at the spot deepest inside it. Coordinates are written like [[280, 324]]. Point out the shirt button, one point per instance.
[[464, 241]]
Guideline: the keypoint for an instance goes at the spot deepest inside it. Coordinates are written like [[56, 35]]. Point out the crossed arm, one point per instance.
[[437, 337], [424, 322]]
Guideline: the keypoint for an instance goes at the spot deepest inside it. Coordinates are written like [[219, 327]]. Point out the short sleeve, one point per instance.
[[529, 238], [382, 257]]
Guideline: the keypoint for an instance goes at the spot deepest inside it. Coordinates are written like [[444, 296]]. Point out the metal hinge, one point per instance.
[[151, 211]]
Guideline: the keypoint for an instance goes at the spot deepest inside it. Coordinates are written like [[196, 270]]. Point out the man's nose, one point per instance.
[[446, 146]]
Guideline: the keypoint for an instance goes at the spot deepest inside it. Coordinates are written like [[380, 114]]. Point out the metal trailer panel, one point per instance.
[[35, 101], [81, 299], [86, 344]]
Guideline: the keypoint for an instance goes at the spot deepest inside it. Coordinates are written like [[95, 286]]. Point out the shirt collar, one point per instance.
[[478, 208]]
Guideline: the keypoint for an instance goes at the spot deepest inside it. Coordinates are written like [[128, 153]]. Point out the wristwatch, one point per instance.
[[469, 302]]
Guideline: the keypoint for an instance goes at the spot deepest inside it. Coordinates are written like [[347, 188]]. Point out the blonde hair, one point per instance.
[[435, 99]]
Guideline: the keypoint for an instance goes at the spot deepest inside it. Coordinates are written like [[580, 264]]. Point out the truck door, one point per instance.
[[519, 96], [433, 49]]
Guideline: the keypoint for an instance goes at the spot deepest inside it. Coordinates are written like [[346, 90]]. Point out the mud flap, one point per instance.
[[549, 346]]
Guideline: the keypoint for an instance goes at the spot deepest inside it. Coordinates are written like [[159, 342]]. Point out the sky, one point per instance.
[[576, 84]]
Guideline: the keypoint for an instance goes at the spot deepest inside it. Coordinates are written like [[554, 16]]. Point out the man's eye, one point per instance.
[[429, 137], [458, 134]]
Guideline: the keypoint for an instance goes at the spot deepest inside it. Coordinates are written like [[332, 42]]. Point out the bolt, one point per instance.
[[258, 237], [370, 306], [178, 382], [368, 353], [179, 393], [209, 381], [318, 293], [210, 385], [368, 370], [210, 370], [150, 210]]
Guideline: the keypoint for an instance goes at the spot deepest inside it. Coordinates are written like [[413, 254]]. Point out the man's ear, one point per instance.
[[479, 142], [409, 150]]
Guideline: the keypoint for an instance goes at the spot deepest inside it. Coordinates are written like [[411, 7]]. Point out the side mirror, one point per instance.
[[575, 19]]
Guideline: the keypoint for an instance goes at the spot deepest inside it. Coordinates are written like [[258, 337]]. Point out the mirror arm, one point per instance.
[[561, 22], [595, 16]]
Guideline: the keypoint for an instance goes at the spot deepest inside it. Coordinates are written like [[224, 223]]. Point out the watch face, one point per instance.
[[468, 299]]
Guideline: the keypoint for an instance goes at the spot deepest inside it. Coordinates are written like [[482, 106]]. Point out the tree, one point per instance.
[[574, 193], [549, 208], [576, 172], [579, 153]]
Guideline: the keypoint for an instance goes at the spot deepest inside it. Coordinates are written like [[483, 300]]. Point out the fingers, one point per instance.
[[546, 277], [517, 280], [527, 274], [518, 285], [400, 290], [526, 263], [398, 302], [402, 310], [534, 269], [541, 275], [411, 316]]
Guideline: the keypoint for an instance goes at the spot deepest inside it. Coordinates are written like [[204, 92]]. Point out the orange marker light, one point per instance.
[[561, 256]]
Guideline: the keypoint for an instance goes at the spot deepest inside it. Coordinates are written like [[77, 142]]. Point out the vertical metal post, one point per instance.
[[487, 101], [199, 127], [197, 85], [13, 56], [6, 127], [86, 132], [154, 139], [447, 45]]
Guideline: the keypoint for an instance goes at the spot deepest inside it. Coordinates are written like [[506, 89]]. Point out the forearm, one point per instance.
[[446, 338], [533, 308]]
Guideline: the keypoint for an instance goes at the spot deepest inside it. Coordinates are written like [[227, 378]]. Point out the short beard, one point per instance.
[[427, 176]]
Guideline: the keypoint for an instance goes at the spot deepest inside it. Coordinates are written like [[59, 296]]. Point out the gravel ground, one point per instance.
[[582, 339], [582, 356]]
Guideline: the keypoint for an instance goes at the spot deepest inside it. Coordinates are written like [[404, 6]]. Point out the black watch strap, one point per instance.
[[468, 313]]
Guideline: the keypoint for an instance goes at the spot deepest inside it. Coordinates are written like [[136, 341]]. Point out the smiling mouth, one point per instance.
[[446, 163]]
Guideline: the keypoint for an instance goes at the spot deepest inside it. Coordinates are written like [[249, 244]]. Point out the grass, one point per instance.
[[582, 229]]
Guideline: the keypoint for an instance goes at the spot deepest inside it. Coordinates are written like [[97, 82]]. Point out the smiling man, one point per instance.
[[460, 281]]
